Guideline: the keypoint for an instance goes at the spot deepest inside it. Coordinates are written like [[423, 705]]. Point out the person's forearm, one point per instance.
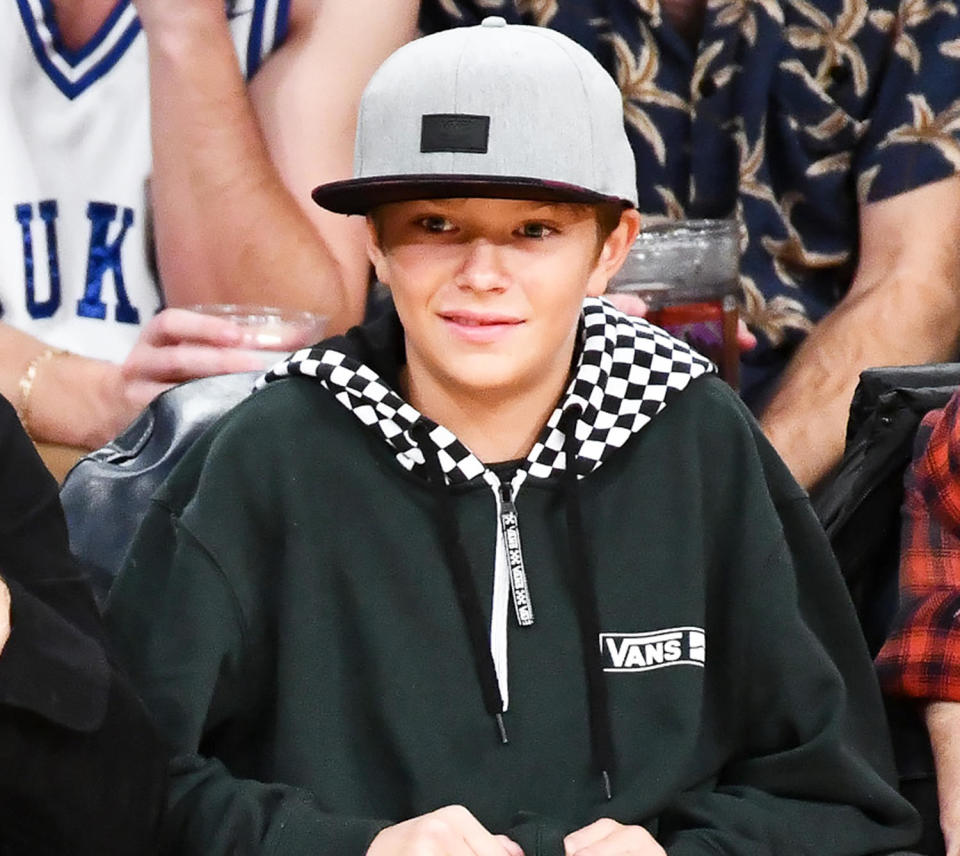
[[227, 229], [894, 322], [69, 399], [903, 308], [943, 723]]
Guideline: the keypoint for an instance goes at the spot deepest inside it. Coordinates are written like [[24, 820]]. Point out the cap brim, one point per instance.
[[360, 195]]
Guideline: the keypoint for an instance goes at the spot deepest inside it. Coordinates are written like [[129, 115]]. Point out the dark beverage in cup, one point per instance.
[[709, 327], [688, 273]]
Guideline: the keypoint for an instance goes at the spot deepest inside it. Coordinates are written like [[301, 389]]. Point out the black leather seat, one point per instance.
[[860, 509], [105, 494]]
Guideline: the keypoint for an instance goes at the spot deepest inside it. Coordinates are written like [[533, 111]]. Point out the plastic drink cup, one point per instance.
[[688, 273], [274, 332]]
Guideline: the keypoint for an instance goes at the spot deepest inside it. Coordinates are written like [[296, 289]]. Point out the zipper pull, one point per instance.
[[510, 528]]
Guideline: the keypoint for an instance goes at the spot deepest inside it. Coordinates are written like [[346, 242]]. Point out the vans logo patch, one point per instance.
[[643, 652]]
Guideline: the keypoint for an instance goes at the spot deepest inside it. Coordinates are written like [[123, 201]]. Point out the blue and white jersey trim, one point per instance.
[[268, 29], [74, 71], [258, 27]]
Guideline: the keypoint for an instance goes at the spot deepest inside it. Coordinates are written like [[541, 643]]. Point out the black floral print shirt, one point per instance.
[[788, 114]]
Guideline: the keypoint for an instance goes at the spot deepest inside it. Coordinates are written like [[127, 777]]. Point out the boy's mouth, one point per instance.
[[480, 326]]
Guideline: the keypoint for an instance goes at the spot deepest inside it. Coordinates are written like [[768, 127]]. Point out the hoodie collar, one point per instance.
[[625, 374]]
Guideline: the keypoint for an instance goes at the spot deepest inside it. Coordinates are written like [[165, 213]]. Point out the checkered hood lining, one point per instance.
[[626, 371]]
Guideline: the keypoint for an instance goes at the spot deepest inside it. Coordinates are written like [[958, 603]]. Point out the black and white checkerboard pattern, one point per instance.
[[626, 371]]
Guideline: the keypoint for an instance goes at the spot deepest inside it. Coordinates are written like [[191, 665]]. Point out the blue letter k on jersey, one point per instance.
[[103, 255]]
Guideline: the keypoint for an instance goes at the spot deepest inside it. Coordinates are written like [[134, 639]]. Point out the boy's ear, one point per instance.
[[374, 252], [613, 252]]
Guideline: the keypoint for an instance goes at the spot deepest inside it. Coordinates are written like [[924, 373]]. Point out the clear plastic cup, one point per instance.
[[274, 332], [688, 273]]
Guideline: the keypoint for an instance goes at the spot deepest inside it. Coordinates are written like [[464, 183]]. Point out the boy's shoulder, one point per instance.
[[708, 426], [263, 438], [283, 407], [707, 407]]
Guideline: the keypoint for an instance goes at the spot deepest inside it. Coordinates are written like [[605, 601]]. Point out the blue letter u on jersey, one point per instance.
[[48, 213], [104, 256]]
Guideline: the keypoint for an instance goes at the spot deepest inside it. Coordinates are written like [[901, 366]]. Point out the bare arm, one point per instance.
[[227, 227], [943, 723], [71, 409], [233, 174], [903, 308], [85, 402]]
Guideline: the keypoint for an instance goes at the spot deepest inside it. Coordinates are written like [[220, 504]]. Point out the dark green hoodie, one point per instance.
[[316, 610]]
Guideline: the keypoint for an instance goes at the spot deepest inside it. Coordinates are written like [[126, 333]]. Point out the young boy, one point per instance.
[[507, 571]]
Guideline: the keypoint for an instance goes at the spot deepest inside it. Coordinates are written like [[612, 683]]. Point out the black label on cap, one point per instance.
[[454, 132]]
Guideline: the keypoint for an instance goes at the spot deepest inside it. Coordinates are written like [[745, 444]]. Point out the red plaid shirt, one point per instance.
[[921, 658]]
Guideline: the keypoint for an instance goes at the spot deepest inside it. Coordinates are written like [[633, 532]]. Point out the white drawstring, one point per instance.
[[500, 607]]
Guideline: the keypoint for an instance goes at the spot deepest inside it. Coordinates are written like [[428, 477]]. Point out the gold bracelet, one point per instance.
[[26, 385]]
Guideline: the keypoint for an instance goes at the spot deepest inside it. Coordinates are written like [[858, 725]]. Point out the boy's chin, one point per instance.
[[492, 383]]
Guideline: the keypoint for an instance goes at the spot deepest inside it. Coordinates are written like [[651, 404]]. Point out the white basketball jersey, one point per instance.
[[74, 159]]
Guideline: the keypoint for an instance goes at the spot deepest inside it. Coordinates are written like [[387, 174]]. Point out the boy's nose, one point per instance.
[[483, 267]]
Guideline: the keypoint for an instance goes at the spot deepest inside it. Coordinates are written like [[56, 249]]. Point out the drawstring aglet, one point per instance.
[[606, 784], [501, 728]]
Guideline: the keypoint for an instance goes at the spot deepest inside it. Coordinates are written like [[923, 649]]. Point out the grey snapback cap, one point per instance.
[[495, 110]]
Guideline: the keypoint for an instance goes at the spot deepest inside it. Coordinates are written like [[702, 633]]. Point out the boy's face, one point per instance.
[[489, 290]]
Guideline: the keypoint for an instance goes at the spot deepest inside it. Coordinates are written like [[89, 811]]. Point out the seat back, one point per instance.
[[860, 510], [860, 505], [105, 495]]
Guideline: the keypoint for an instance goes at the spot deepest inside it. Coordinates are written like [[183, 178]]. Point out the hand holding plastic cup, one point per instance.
[[272, 333], [688, 273]]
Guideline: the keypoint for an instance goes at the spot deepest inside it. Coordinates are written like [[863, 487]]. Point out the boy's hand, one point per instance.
[[4, 614], [448, 831], [606, 837], [633, 305]]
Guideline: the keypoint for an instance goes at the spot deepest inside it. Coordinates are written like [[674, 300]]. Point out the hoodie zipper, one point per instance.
[[510, 576], [513, 553]]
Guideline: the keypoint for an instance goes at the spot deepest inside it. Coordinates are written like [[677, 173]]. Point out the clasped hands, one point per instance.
[[454, 831]]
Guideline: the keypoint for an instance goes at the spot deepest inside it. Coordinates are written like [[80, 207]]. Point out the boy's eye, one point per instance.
[[535, 230], [435, 223]]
